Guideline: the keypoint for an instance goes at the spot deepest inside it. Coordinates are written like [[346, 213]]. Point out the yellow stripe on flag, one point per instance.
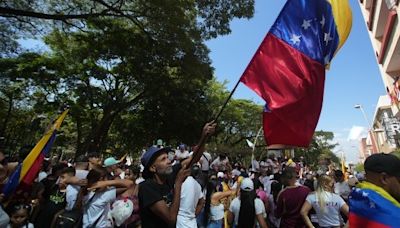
[[32, 156], [343, 19]]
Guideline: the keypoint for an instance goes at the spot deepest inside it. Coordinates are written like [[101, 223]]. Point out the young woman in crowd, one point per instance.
[[246, 208], [326, 204], [214, 208]]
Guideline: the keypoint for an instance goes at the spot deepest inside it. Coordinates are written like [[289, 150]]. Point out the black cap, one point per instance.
[[382, 162]]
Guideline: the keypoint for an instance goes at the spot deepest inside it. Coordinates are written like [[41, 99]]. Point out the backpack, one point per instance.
[[71, 218]]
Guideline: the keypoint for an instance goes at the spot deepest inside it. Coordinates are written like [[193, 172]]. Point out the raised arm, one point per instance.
[[208, 129], [124, 183]]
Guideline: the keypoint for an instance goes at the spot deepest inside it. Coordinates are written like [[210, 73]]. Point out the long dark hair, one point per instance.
[[276, 187], [211, 186], [247, 209]]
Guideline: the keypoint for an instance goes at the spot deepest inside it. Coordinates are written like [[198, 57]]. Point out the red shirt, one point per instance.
[[289, 203]]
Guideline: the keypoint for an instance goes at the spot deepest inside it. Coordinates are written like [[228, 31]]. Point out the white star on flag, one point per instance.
[[295, 39], [327, 38], [364, 194], [322, 21], [306, 24], [371, 204]]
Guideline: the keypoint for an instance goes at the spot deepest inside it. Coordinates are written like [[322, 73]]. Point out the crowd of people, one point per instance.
[[179, 188]]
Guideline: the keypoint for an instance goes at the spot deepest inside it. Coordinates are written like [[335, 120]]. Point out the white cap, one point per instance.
[[235, 172], [247, 185], [220, 174]]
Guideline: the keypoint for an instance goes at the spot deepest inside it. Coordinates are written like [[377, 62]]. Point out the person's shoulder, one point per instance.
[[147, 182], [305, 188], [335, 195], [235, 200], [258, 200]]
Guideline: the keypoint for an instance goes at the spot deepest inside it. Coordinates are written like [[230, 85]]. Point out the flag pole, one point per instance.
[[227, 100], [254, 147]]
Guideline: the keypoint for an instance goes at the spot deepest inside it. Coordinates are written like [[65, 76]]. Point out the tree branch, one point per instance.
[[10, 12]]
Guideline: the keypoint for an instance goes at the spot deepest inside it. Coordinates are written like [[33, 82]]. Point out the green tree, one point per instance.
[[21, 19], [320, 151], [126, 69]]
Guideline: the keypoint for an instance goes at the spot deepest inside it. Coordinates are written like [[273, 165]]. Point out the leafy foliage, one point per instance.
[[319, 153]]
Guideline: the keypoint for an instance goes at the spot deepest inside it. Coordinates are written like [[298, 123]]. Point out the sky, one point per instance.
[[353, 78]]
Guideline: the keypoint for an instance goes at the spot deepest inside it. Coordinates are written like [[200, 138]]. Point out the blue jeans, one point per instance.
[[215, 223]]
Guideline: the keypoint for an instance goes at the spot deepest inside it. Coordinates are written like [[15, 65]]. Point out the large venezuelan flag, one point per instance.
[[373, 207], [27, 171], [288, 69]]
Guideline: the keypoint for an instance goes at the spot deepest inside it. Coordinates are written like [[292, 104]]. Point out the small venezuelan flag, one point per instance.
[[27, 171], [372, 207]]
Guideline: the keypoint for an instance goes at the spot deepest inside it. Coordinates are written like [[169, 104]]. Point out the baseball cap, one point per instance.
[[110, 161], [151, 153], [247, 185], [220, 174], [382, 162]]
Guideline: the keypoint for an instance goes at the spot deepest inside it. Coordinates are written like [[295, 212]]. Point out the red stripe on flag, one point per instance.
[[292, 84], [362, 222], [34, 170]]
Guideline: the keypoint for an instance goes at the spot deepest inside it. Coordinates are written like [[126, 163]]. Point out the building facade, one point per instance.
[[382, 22]]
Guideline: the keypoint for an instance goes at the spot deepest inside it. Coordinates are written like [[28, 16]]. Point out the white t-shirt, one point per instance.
[[73, 190], [81, 173], [190, 195], [221, 165], [342, 189], [235, 208], [331, 215], [266, 181], [98, 207], [71, 195], [181, 155], [205, 161]]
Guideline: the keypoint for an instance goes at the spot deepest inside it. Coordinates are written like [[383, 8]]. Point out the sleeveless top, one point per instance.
[[216, 212]]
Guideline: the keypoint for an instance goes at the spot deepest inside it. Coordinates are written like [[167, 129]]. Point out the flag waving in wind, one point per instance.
[[27, 170], [288, 69]]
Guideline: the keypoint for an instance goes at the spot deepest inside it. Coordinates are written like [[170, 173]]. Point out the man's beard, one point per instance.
[[165, 172]]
